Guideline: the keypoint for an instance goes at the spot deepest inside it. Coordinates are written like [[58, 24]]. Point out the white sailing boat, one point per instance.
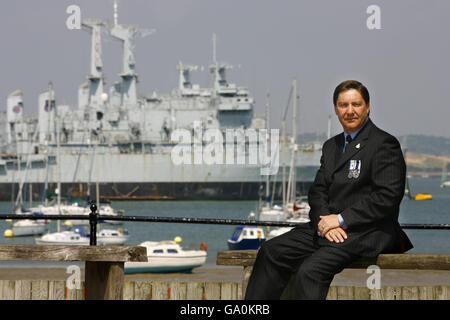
[[28, 228]]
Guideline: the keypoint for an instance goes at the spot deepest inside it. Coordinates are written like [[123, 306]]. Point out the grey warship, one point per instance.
[[121, 140]]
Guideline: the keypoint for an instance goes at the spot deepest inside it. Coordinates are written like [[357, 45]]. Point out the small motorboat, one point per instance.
[[28, 228], [280, 230], [105, 210], [108, 237], [105, 237], [167, 256], [274, 213], [246, 238], [63, 238]]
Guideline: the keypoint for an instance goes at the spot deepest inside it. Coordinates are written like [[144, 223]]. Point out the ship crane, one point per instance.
[[185, 86], [95, 76], [128, 34], [218, 69]]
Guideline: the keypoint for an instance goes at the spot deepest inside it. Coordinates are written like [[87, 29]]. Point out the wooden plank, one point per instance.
[[7, 289], [391, 293], [410, 293], [142, 290], [384, 261], [80, 293], [104, 280], [376, 294], [226, 291], [246, 277], [345, 293], [178, 290], [236, 257], [72, 253], [194, 291], [235, 291], [56, 289], [332, 293], [160, 290], [22, 290], [406, 261], [128, 290], [442, 292], [239, 292], [426, 293], [39, 289], [70, 294], [361, 293], [212, 291]]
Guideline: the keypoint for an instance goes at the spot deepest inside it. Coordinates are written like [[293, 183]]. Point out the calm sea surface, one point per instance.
[[436, 211]]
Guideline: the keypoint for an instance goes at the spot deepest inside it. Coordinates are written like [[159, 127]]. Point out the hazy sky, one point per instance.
[[405, 64]]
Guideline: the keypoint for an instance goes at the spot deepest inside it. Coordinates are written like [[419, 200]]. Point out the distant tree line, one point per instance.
[[437, 146]]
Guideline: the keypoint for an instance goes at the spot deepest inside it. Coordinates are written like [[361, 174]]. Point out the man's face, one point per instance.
[[351, 110]]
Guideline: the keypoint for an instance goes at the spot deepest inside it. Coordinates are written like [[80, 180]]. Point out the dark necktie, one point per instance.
[[348, 140]]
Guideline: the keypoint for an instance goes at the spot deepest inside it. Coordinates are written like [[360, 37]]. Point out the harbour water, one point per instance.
[[435, 211]]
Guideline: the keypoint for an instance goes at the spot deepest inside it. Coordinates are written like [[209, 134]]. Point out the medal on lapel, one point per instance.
[[354, 169]]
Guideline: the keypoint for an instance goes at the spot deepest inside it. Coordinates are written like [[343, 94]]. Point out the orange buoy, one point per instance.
[[203, 246]]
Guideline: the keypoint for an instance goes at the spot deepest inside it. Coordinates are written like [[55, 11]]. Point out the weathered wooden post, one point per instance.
[[104, 279]]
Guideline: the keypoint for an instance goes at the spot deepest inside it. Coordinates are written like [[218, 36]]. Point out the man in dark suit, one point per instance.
[[354, 200]]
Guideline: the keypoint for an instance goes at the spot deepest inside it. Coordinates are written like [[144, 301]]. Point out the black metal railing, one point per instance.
[[94, 218]]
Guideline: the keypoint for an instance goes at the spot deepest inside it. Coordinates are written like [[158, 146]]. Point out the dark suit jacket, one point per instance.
[[369, 204]]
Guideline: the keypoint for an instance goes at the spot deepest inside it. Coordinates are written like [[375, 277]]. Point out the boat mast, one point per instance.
[[293, 146], [267, 145], [283, 147], [58, 163], [329, 127]]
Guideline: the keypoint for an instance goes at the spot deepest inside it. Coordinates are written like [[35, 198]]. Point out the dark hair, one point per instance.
[[351, 84]]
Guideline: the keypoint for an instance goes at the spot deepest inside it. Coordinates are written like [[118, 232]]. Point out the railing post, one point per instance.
[[93, 218]]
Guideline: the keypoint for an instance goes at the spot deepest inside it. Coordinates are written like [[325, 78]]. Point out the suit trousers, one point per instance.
[[296, 251]]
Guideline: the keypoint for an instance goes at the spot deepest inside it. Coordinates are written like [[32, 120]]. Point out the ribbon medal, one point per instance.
[[354, 169]]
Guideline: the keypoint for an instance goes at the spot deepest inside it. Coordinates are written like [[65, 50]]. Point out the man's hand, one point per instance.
[[327, 223], [337, 235]]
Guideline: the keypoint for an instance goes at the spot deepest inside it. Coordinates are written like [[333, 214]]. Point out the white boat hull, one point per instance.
[[62, 243], [111, 241], [29, 230], [66, 238], [167, 256], [158, 264]]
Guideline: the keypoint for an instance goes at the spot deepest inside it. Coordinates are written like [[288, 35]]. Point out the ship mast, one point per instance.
[[96, 73], [127, 35], [219, 69]]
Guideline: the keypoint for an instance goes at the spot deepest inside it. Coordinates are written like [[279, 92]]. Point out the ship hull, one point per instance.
[[148, 177], [158, 191]]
